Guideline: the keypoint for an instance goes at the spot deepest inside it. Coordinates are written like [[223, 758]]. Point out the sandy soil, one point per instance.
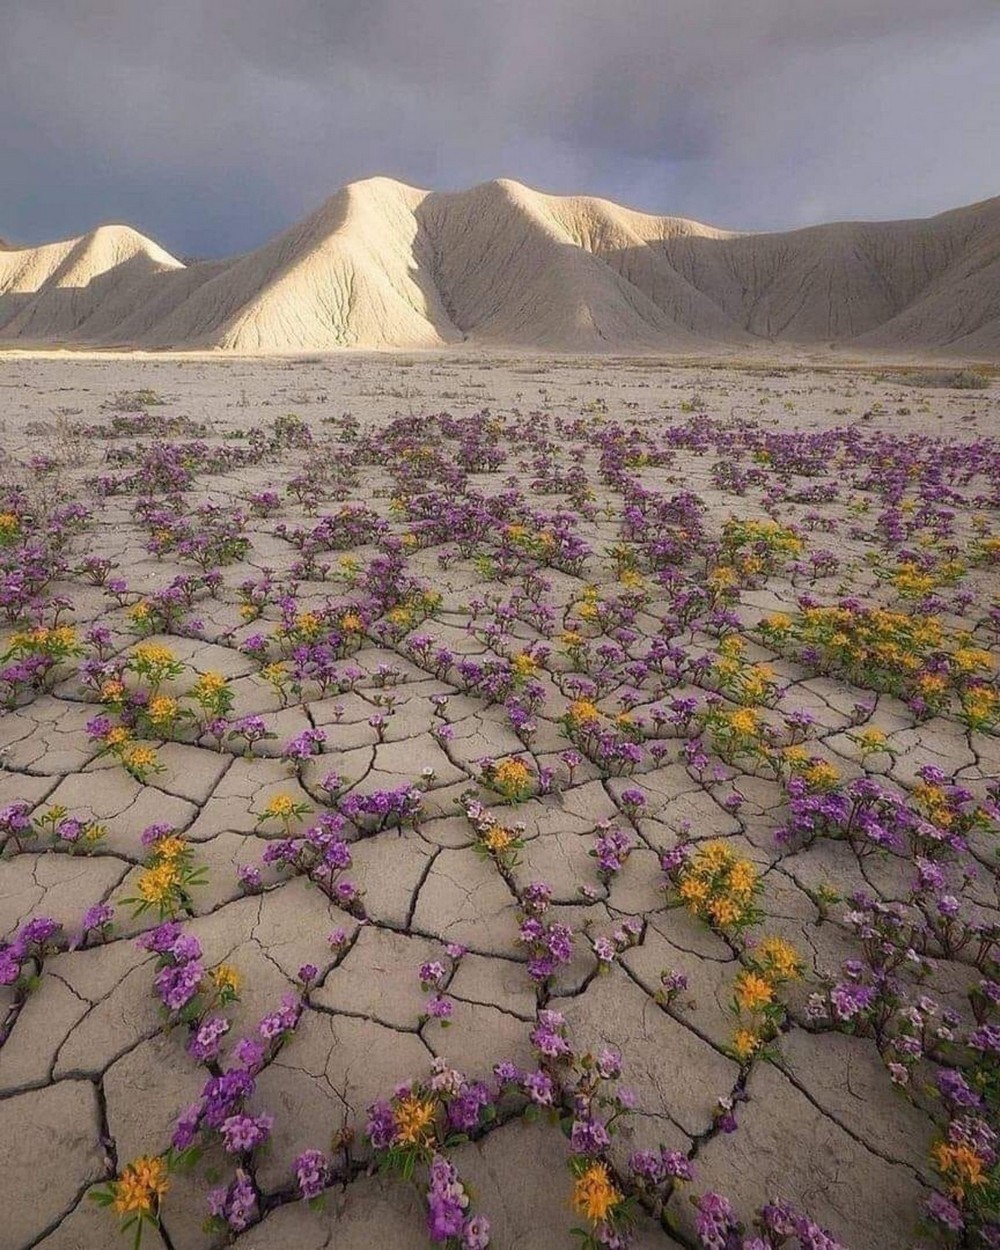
[[89, 1077]]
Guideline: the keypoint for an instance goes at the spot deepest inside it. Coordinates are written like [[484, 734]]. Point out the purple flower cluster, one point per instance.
[[447, 1210], [549, 942]]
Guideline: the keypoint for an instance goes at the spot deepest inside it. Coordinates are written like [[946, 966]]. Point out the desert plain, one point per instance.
[[607, 747]]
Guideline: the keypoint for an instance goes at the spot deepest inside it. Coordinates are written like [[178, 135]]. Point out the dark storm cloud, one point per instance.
[[212, 123]]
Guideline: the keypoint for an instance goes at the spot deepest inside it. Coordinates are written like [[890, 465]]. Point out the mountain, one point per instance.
[[382, 264]]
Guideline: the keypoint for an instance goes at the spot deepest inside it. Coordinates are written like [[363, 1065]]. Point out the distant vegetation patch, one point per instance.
[[956, 379]]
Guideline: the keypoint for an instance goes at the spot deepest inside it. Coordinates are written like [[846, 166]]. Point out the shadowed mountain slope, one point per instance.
[[382, 264]]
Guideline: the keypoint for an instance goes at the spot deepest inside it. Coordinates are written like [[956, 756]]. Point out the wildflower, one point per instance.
[[311, 1171], [594, 1195], [745, 1042], [141, 1186], [243, 1132], [414, 1121], [158, 885], [225, 978], [753, 991], [779, 957], [583, 713]]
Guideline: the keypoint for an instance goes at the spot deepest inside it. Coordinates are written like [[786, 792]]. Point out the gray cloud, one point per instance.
[[211, 124]]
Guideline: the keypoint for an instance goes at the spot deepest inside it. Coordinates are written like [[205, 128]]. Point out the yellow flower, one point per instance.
[[744, 721], [225, 977], [980, 704], [308, 624], [721, 577], [112, 691], [960, 1165], [594, 1195], [139, 611], [117, 735], [743, 878], [351, 623], [414, 1118], [821, 775], [583, 712], [712, 857], [524, 664], [274, 673], [162, 709], [777, 623], [744, 1043], [9, 523], [693, 890], [753, 991], [154, 654], [780, 957], [158, 884], [209, 685], [498, 839], [968, 659], [724, 911], [169, 848], [511, 775], [141, 1186], [280, 807], [139, 758]]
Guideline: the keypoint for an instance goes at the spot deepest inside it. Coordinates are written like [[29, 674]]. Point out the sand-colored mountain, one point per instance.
[[382, 264]]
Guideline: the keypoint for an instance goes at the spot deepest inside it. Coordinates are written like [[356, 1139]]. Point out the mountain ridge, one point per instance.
[[381, 264]]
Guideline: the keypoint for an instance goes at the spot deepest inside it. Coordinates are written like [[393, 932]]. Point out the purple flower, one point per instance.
[[207, 1041], [539, 1088], [381, 1127], [244, 1132], [476, 1233], [311, 1170], [186, 1127], [178, 984], [38, 930], [249, 1053], [588, 1137], [944, 1211]]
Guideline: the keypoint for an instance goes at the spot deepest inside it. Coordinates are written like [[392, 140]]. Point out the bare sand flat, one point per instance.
[[333, 659]]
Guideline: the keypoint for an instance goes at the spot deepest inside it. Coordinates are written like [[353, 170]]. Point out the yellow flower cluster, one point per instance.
[[772, 962], [719, 887], [961, 1167], [594, 1194], [141, 1186], [583, 714], [414, 1121], [511, 777]]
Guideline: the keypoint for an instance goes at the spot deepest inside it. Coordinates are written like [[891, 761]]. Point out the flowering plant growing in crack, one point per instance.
[[500, 843], [322, 855], [383, 809], [135, 1195], [169, 876], [415, 1128], [769, 963], [549, 943], [186, 989], [66, 832], [714, 883]]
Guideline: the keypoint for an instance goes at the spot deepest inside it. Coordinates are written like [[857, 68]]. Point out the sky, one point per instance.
[[212, 125]]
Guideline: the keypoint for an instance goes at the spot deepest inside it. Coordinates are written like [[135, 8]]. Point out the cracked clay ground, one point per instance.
[[498, 623]]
